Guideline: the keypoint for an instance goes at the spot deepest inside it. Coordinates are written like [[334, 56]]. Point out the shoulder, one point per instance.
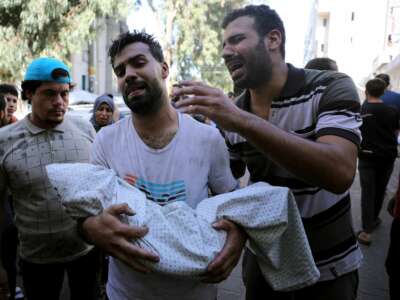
[[325, 78], [79, 123], [11, 134], [9, 131], [113, 131], [392, 94], [391, 109], [335, 88], [13, 119], [381, 111], [199, 129]]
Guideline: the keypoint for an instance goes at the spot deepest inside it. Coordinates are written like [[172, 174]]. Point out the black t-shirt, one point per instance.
[[379, 139]]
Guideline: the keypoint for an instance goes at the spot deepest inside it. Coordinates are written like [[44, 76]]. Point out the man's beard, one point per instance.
[[55, 122], [148, 103], [258, 68]]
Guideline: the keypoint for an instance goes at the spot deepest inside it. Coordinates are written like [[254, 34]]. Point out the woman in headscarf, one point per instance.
[[103, 110]]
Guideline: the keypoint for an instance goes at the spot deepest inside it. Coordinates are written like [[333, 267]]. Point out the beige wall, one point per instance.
[[100, 70]]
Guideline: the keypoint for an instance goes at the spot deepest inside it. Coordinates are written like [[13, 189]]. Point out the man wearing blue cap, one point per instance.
[[49, 244]]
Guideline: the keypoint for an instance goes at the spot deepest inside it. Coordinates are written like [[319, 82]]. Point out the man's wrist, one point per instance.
[[244, 122], [81, 231]]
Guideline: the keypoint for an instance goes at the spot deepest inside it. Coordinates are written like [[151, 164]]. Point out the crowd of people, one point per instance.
[[301, 128]]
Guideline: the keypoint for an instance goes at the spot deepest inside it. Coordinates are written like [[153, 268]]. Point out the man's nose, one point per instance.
[[227, 52], [130, 73], [59, 100]]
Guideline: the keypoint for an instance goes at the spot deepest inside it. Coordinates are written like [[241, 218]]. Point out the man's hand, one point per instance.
[[199, 98], [220, 268], [109, 233]]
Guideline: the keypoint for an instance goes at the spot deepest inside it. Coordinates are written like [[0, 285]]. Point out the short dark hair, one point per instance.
[[6, 88], [136, 36], [322, 63], [265, 20], [29, 85], [375, 87], [3, 103], [384, 77], [32, 86]]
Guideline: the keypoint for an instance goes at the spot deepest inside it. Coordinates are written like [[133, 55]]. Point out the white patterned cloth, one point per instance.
[[184, 238]]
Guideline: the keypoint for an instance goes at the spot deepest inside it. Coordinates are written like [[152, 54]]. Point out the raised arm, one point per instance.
[[329, 162]]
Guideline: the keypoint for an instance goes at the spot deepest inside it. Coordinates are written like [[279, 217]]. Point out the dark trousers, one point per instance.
[[393, 260], [8, 247], [45, 281], [374, 177], [343, 288], [9, 243]]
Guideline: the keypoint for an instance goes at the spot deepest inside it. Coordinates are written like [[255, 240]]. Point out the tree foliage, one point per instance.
[[193, 38], [30, 28]]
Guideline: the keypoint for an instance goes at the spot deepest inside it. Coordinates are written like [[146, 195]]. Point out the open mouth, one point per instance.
[[136, 89], [234, 65]]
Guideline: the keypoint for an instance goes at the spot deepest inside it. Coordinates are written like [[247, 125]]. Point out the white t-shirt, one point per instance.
[[196, 159]]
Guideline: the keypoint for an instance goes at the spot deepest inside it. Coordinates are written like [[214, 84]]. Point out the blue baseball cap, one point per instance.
[[44, 69]]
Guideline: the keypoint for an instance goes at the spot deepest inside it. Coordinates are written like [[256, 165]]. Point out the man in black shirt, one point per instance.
[[377, 155]]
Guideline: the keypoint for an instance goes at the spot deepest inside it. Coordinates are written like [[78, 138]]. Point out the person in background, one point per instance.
[[389, 97], [49, 241], [3, 110], [392, 98], [4, 274], [377, 155], [322, 63], [10, 93], [9, 232], [103, 110], [103, 115]]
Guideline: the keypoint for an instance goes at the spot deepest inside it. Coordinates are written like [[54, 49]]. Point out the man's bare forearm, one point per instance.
[[329, 163]]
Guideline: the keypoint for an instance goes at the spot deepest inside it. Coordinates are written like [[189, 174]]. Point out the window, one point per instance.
[[322, 47], [324, 22], [83, 82], [352, 15]]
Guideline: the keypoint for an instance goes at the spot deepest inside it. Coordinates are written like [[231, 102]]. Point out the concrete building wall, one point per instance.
[[91, 69], [354, 35], [322, 34], [388, 61], [79, 69], [310, 42]]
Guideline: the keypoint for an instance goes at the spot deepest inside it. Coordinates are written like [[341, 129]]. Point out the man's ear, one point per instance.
[[274, 40], [29, 95], [164, 70]]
